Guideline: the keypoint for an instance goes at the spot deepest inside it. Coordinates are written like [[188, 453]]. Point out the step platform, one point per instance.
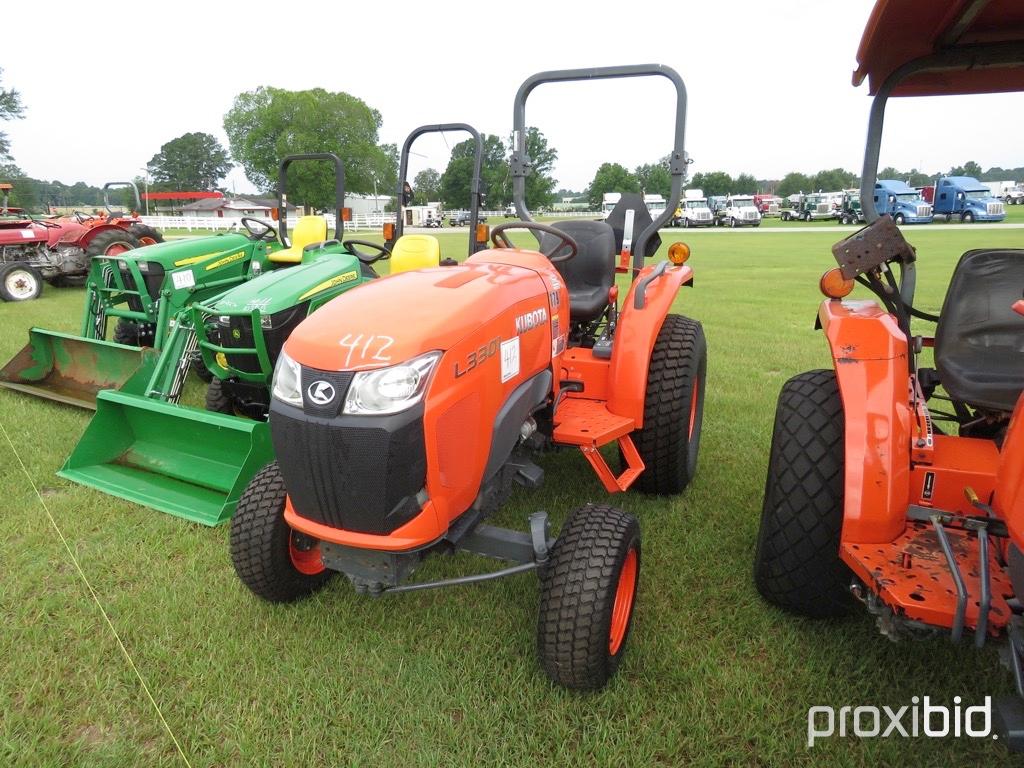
[[588, 424]]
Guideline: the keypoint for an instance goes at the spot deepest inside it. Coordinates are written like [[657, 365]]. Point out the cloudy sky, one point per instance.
[[768, 82]]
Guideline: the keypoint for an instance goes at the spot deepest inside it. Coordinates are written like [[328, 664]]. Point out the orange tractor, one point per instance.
[[892, 482], [403, 413]]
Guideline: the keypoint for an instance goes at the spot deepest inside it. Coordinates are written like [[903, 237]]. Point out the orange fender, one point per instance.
[[635, 336], [869, 352]]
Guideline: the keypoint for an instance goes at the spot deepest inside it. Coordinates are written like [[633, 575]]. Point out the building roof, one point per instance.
[[234, 204]]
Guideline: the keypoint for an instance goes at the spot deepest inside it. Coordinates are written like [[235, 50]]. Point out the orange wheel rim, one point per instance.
[[625, 592], [306, 561], [693, 408], [116, 249], [147, 241]]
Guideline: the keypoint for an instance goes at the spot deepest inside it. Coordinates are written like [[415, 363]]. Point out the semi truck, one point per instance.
[[738, 211], [904, 203], [768, 205], [693, 211], [816, 206], [967, 199]]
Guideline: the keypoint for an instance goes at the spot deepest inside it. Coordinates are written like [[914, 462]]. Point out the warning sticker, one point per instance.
[[183, 279], [509, 359]]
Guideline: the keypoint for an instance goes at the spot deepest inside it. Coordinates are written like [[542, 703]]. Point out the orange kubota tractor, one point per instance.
[[892, 482], [403, 413]]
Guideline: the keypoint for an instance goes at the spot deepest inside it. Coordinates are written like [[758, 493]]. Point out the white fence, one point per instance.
[[358, 222]]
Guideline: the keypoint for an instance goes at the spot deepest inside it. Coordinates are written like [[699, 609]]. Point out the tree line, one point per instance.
[[266, 124]]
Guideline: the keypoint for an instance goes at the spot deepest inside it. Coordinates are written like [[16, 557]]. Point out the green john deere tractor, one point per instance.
[[146, 448], [142, 293]]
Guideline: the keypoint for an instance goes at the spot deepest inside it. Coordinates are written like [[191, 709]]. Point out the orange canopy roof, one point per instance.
[[900, 31]]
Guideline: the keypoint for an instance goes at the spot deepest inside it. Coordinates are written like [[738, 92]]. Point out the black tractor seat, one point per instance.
[[591, 272], [979, 340]]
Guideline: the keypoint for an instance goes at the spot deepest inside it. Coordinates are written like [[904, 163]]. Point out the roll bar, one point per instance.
[[522, 164], [118, 185], [339, 191], [474, 185], [973, 56]]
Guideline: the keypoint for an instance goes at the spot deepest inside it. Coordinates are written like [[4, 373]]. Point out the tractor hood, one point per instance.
[[195, 250], [397, 318], [286, 287]]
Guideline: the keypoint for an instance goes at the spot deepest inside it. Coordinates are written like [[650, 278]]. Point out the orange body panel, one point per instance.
[[1008, 501], [459, 311], [957, 463], [634, 340], [870, 356], [579, 364]]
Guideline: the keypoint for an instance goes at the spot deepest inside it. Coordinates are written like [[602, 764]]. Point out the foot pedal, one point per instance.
[[528, 474], [602, 348]]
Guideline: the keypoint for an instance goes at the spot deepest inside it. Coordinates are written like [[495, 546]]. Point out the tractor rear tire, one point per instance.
[[588, 591], [218, 399], [111, 243], [797, 565], [146, 234], [20, 282], [669, 440], [273, 561]]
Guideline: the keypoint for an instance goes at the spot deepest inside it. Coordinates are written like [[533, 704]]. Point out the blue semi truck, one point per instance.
[[902, 202], [967, 199]]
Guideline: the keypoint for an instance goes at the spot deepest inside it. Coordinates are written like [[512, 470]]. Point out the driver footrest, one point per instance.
[[589, 425]]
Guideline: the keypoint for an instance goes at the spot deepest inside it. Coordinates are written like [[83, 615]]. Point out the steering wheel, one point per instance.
[[501, 241], [258, 228], [367, 258], [82, 217], [46, 223]]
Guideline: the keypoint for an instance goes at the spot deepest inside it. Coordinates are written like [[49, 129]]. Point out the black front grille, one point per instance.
[[357, 473], [134, 303], [238, 333]]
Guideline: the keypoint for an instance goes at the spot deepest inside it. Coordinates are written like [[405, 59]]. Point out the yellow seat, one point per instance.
[[415, 252], [308, 230]]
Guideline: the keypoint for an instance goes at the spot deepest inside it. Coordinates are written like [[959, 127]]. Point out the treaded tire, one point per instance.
[[128, 332], [145, 233], [200, 369], [260, 542], [217, 400], [577, 595], [666, 442], [110, 238], [797, 565]]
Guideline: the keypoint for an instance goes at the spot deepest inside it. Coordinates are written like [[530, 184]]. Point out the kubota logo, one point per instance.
[[531, 320], [321, 392]]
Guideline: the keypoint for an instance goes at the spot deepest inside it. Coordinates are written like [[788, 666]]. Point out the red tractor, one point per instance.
[[58, 250], [895, 477]]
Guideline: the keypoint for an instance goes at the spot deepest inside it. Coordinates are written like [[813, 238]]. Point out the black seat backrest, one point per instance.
[[979, 341], [591, 272], [631, 201]]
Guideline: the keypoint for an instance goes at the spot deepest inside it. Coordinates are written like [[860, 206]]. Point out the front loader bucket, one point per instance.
[[183, 461], [72, 369]]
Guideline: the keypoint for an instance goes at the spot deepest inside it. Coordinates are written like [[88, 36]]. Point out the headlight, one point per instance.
[[390, 390], [287, 386]]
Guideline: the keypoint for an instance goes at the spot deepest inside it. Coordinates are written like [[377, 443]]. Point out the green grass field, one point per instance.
[[713, 675]]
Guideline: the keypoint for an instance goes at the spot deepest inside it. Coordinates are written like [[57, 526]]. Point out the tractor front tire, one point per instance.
[[797, 565], [273, 561], [669, 440], [134, 334], [218, 399], [588, 590], [112, 242], [199, 366], [20, 282], [146, 234]]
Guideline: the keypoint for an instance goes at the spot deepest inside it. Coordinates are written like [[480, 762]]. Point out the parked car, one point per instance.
[[461, 219]]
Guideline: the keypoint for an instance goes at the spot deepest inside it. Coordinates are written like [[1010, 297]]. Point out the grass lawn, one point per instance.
[[713, 675]]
